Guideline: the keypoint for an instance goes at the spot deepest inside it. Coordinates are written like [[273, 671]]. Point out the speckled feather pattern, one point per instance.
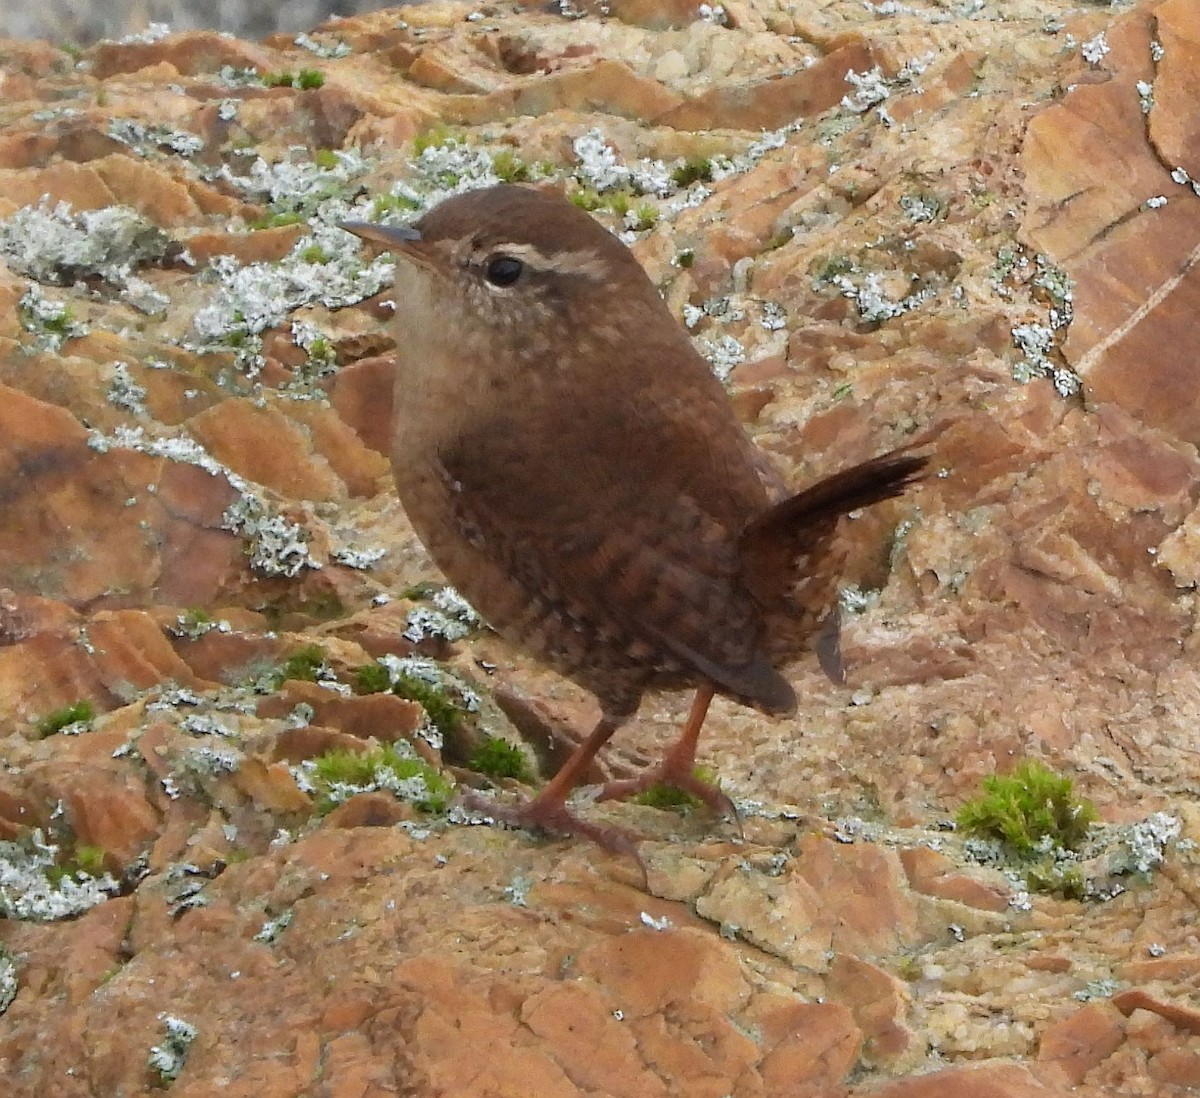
[[575, 469]]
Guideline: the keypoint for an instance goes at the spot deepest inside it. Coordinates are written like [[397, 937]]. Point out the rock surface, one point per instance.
[[981, 218]]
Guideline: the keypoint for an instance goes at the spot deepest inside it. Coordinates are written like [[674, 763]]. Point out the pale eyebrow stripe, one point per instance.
[[582, 262]]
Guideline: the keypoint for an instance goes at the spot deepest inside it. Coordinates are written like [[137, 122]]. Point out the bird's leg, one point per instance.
[[548, 810], [678, 766]]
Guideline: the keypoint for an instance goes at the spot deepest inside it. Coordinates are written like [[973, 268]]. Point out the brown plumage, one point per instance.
[[577, 472]]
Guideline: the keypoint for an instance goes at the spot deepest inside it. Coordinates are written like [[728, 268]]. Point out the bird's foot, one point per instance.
[[552, 815], [676, 773]]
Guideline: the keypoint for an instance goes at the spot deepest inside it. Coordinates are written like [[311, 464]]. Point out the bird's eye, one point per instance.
[[503, 270]]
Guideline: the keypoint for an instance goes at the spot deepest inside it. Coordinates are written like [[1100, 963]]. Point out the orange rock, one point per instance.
[[993, 1081], [815, 1056], [933, 874], [878, 1002], [362, 395], [769, 104], [1181, 1017], [233, 432], [1079, 1042], [261, 246]]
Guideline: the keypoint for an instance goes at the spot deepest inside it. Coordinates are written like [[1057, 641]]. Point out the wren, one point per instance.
[[576, 470]]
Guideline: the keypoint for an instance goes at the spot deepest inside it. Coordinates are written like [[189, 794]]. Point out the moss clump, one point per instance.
[[339, 775], [1028, 809], [305, 664], [87, 861], [497, 758], [432, 138], [307, 79], [645, 217], [275, 220], [666, 796], [325, 159], [693, 170], [79, 712], [314, 253], [393, 203], [685, 258], [445, 715], [372, 678], [509, 167], [1065, 881], [586, 199]]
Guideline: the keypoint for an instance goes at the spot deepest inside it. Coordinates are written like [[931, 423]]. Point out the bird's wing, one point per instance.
[[635, 539]]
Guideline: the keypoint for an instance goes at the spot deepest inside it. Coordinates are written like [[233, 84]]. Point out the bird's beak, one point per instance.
[[391, 237]]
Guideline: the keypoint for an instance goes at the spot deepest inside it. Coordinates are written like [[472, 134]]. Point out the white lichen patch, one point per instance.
[[8, 980], [1095, 49], [167, 1060], [871, 298], [602, 169], [52, 244], [124, 392], [48, 320], [33, 887], [150, 140], [324, 268]]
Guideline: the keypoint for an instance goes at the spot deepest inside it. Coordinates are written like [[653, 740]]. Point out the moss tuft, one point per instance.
[[338, 775], [445, 715], [509, 167], [497, 758], [79, 712], [694, 169], [670, 797], [1027, 809], [372, 678], [304, 664]]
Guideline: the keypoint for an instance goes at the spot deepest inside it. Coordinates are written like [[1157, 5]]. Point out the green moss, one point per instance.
[[372, 678], [509, 167], [586, 199], [338, 775], [693, 169], [497, 758], [303, 664], [314, 253], [195, 616], [666, 796], [325, 159], [432, 138], [1065, 881], [1027, 808], [646, 217], [445, 715], [308, 79], [392, 203], [86, 860], [618, 202], [829, 268], [782, 237], [275, 220], [77, 712], [282, 79]]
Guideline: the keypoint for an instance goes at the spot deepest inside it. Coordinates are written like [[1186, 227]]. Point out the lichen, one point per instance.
[[167, 1060], [395, 768]]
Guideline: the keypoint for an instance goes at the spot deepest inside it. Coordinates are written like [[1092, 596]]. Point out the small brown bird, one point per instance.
[[575, 469]]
